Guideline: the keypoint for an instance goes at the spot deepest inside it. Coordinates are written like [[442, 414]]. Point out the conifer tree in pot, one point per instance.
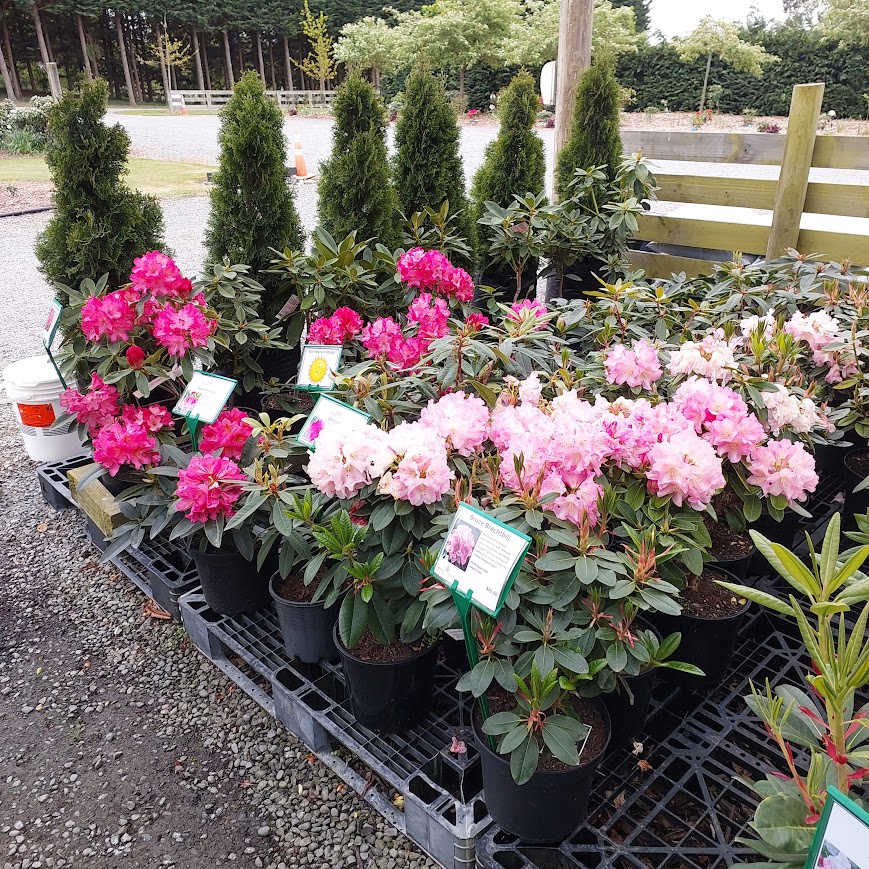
[[428, 166], [99, 225], [514, 165], [355, 190], [253, 207]]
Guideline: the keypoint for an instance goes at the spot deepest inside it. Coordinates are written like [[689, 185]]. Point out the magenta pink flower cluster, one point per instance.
[[430, 270], [95, 408], [819, 330], [342, 326], [229, 433], [638, 366], [208, 488], [160, 301], [125, 444], [460, 545], [528, 310]]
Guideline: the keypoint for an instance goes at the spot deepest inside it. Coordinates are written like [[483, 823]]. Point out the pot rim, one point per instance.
[[731, 577], [279, 598], [483, 745], [850, 453], [344, 652]]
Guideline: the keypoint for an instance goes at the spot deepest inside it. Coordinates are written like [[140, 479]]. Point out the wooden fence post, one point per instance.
[[54, 81], [793, 179]]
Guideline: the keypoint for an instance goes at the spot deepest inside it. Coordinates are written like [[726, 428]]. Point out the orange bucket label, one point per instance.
[[37, 415]]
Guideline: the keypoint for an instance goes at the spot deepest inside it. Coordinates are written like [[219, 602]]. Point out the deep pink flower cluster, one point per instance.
[[343, 325], [156, 274], [638, 366], [208, 488], [111, 316], [182, 329], [431, 270], [384, 337], [95, 408], [527, 309], [125, 444], [229, 433], [152, 418], [474, 322]]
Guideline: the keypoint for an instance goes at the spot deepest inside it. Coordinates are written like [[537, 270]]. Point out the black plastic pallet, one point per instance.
[[170, 572], [441, 807], [53, 482]]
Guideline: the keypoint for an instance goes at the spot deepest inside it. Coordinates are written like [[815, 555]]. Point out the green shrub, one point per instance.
[[99, 225], [594, 133], [514, 161], [428, 166], [355, 191], [25, 130], [253, 208]]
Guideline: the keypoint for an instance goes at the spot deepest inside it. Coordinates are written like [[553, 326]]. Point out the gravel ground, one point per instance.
[[122, 745]]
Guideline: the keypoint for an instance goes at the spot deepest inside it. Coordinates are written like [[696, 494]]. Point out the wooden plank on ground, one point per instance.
[[664, 266], [95, 500], [714, 190], [765, 149], [716, 234]]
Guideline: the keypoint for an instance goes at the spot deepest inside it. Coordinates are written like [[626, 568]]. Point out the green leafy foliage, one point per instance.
[[355, 191], [99, 225], [252, 204]]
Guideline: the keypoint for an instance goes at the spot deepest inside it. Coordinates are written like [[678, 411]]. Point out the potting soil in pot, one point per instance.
[[706, 600], [293, 588], [729, 545]]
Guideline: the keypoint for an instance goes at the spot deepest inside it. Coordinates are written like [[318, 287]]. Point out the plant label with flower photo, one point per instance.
[[205, 396], [319, 365], [480, 558], [330, 412], [842, 835]]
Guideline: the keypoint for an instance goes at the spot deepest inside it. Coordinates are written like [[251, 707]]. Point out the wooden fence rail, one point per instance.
[[803, 213], [284, 99]]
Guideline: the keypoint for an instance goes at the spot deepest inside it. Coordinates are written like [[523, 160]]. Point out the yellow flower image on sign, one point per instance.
[[317, 370], [318, 365]]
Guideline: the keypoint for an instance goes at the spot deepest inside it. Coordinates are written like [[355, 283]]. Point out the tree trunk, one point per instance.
[[461, 84], [122, 46], [7, 79], [137, 75], [40, 36], [30, 76], [79, 26], [259, 57], [13, 69], [107, 49], [197, 58], [205, 67], [227, 60], [288, 66], [272, 66], [240, 53], [164, 72], [705, 81]]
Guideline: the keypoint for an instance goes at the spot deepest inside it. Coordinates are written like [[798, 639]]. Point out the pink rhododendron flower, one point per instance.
[[474, 322], [111, 316], [638, 366], [382, 337], [423, 268], [183, 329], [343, 325], [135, 356], [752, 324], [458, 284], [527, 309], [783, 468], [156, 273], [702, 401], [349, 321], [460, 545], [530, 389], [711, 358], [152, 417], [96, 408], [229, 433], [422, 475], [208, 488], [735, 437], [820, 330], [686, 468], [123, 444], [579, 504], [461, 419], [347, 461], [431, 316], [800, 415]]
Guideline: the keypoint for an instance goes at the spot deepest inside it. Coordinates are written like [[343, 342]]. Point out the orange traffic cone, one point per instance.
[[301, 168]]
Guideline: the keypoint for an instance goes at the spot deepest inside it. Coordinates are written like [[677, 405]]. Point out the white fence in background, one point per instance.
[[284, 99]]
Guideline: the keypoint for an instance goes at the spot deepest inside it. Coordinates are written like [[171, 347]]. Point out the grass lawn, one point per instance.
[[164, 178]]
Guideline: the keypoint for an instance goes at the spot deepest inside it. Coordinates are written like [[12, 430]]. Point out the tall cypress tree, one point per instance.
[[253, 209], [594, 135], [428, 166], [514, 161], [355, 190], [99, 225]]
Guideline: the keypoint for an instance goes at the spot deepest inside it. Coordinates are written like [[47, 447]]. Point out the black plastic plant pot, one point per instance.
[[783, 532], [576, 281], [389, 696], [707, 642], [503, 281], [627, 719], [231, 584], [855, 502], [122, 481], [829, 458], [550, 805], [739, 567], [455, 652], [306, 627]]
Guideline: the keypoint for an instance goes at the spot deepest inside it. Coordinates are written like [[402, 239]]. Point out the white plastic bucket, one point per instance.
[[34, 390]]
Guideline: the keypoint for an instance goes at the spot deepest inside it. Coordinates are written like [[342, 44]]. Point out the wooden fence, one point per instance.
[[803, 212], [284, 99]]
